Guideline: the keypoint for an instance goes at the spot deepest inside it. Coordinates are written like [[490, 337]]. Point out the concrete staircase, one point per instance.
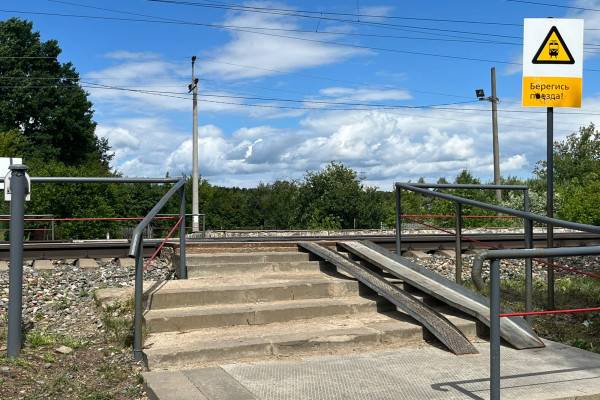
[[251, 302]]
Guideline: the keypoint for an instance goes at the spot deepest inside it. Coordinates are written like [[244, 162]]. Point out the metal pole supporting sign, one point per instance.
[[16, 190]]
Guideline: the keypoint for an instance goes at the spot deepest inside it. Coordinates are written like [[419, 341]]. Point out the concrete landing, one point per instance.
[[551, 373]]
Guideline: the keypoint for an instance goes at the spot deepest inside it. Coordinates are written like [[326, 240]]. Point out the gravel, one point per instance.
[[509, 269], [61, 299]]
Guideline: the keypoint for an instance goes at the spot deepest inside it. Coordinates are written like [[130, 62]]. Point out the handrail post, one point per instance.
[[495, 329], [138, 355], [528, 230], [458, 244], [18, 191], [182, 244], [398, 222]]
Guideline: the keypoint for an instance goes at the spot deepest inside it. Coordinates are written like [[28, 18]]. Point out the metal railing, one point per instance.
[[136, 251], [528, 217], [495, 256], [18, 189], [423, 188]]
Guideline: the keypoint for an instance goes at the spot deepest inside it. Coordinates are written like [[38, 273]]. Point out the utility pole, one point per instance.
[[480, 93], [193, 87], [495, 144]]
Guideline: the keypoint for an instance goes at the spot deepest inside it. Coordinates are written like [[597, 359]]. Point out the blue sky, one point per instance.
[[335, 57]]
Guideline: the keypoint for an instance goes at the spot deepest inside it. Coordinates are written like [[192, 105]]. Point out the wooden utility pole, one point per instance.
[[495, 144]]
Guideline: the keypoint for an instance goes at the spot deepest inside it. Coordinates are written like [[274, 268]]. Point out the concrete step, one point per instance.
[[238, 289], [247, 257], [189, 318], [240, 268], [173, 350]]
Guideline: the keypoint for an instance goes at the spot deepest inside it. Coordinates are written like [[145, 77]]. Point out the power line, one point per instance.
[[181, 95], [380, 16], [554, 5], [319, 15], [248, 30], [264, 10], [461, 39], [431, 106]]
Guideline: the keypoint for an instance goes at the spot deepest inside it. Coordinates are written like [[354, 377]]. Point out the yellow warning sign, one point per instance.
[[547, 91], [552, 62], [553, 50]]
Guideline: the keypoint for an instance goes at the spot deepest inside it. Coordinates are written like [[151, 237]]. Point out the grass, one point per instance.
[[117, 321], [579, 330], [42, 338]]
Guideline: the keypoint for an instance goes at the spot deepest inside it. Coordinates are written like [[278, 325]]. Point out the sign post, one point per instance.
[[552, 77]]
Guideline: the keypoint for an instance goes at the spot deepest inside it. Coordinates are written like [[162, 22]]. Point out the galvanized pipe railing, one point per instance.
[[458, 213], [528, 217], [136, 251], [495, 256], [19, 188]]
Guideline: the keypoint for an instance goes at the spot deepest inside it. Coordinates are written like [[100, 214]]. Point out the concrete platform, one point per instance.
[[551, 373]]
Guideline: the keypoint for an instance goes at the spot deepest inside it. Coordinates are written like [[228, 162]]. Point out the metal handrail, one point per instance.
[[19, 188], [504, 210], [467, 186], [423, 188], [495, 256], [136, 251]]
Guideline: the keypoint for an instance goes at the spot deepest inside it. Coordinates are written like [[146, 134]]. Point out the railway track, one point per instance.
[[120, 248]]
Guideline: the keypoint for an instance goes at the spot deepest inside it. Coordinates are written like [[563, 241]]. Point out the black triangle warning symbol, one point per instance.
[[553, 50]]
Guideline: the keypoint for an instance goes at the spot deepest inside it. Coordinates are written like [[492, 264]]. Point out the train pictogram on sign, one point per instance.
[[553, 50]]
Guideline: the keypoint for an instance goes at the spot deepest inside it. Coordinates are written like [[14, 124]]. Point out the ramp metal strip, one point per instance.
[[433, 321], [515, 330]]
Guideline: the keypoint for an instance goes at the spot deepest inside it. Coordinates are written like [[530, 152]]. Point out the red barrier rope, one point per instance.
[[560, 267], [573, 311], [162, 244], [90, 219], [452, 216]]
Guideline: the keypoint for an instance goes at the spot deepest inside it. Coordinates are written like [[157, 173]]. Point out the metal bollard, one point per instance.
[[18, 191], [458, 244], [528, 227], [138, 354], [398, 222], [182, 258], [495, 329]]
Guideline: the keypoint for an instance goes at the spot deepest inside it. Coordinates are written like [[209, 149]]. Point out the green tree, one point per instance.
[[41, 98], [576, 176], [330, 198]]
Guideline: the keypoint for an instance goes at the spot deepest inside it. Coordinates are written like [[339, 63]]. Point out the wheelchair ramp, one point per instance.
[[433, 321], [514, 330]]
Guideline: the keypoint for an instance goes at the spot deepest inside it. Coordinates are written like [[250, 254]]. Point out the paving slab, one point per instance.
[[43, 265], [3, 265], [87, 263], [556, 372]]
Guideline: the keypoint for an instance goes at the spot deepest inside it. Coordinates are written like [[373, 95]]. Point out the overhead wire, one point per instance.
[[249, 30]]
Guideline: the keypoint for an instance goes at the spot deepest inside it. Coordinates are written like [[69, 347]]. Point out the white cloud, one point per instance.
[[592, 18], [269, 54], [385, 145], [365, 94]]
